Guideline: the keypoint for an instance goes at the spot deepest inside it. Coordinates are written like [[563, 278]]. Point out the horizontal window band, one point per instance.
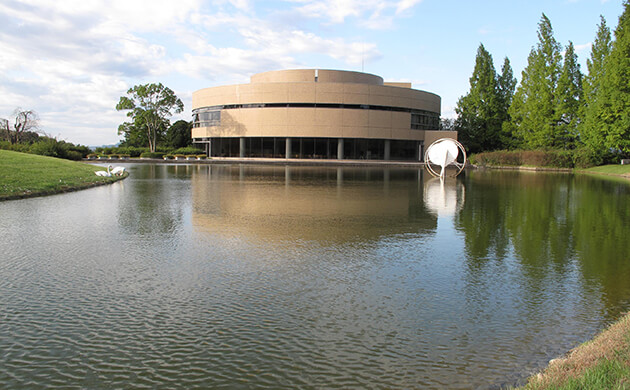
[[315, 105]]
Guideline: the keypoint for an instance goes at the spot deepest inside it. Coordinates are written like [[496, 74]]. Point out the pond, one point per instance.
[[211, 276]]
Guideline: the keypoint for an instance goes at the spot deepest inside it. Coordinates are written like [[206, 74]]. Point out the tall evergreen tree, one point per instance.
[[533, 111], [615, 88], [590, 130], [569, 100], [479, 121], [506, 83]]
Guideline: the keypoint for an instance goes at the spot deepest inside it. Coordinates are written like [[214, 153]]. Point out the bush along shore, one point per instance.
[[602, 363], [552, 160], [560, 159], [25, 175]]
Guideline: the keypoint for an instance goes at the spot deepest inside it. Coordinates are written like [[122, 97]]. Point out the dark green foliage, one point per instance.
[[590, 130], [482, 111], [585, 158], [61, 149], [569, 100], [131, 151], [47, 146], [447, 124], [152, 154], [179, 134], [188, 150], [534, 109], [614, 92], [539, 158]]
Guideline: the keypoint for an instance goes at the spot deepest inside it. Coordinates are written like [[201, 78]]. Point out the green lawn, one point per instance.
[[24, 174], [600, 364], [616, 169]]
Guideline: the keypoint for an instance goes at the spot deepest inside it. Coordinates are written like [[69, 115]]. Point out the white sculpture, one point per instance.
[[444, 152]]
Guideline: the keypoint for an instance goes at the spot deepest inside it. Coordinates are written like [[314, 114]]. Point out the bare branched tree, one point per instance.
[[24, 121]]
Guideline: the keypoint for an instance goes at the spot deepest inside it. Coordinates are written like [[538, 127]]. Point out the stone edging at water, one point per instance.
[[523, 168], [266, 161]]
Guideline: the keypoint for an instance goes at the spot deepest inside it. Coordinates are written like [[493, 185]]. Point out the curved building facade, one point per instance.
[[315, 113]]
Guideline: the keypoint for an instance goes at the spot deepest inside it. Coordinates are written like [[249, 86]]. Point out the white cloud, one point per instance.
[[404, 5], [374, 14], [583, 48], [71, 60]]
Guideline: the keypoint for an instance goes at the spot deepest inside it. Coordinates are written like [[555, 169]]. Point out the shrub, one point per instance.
[[47, 147], [24, 148], [73, 155], [501, 157], [130, 151], [152, 154], [538, 158], [188, 150]]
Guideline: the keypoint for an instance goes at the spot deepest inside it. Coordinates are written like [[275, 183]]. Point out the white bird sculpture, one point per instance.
[[104, 173], [444, 152]]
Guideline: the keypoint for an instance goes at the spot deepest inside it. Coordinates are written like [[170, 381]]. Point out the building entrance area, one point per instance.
[[314, 148]]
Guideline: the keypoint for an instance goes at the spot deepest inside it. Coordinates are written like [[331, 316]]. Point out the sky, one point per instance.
[[72, 60]]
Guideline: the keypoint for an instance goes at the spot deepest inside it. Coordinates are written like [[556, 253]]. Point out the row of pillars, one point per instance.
[[386, 156]]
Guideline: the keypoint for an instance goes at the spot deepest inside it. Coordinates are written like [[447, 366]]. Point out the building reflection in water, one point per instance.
[[286, 203]]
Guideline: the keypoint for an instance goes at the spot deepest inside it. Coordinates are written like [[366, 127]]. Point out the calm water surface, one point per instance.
[[274, 277]]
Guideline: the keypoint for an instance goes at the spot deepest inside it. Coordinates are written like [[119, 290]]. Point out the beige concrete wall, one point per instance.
[[312, 122], [338, 93], [323, 76], [298, 86], [432, 136]]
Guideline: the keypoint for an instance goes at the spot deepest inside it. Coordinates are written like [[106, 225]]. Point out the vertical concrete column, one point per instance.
[[388, 147], [340, 148], [287, 148], [209, 148], [241, 147], [419, 152]]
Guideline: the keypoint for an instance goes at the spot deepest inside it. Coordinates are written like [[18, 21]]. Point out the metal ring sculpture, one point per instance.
[[444, 152]]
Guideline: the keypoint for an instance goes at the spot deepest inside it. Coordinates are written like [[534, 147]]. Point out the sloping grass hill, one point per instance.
[[24, 175]]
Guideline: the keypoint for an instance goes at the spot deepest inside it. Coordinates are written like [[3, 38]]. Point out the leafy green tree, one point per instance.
[[533, 111], [149, 107], [590, 130], [614, 94], [569, 100], [178, 135], [136, 134], [479, 117]]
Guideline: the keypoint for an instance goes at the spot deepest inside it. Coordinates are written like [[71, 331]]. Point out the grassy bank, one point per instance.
[[602, 363], [619, 170], [24, 175]]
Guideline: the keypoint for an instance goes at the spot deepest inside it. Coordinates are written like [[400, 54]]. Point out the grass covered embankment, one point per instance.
[[617, 170], [24, 175], [602, 363]]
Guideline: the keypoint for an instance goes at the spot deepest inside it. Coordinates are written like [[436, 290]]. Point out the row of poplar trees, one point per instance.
[[555, 106]]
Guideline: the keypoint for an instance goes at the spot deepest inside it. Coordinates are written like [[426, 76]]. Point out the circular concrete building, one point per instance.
[[315, 113]]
